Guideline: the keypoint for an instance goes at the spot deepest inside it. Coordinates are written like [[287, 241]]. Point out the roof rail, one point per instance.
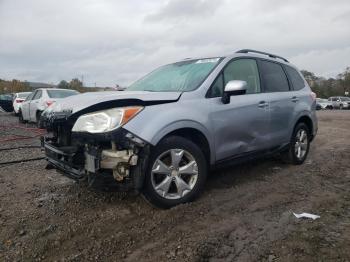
[[243, 51]]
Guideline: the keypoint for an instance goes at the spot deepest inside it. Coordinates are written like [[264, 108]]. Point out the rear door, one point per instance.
[[281, 101], [33, 107], [240, 126]]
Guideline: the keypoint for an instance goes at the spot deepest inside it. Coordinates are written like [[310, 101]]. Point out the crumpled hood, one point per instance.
[[79, 102]]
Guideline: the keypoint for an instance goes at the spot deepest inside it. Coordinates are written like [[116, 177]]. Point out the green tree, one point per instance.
[[63, 84], [76, 84]]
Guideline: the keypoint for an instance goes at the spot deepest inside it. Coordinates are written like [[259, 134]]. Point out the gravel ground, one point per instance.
[[244, 213]]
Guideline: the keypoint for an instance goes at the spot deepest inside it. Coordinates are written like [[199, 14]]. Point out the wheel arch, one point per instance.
[[192, 131], [308, 121]]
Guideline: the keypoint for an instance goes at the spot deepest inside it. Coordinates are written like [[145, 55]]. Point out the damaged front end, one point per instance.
[[113, 160]]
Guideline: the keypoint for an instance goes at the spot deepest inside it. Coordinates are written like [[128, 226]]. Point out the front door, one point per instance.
[[242, 125]]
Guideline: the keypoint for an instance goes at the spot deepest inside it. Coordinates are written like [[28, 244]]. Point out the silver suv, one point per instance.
[[167, 130]]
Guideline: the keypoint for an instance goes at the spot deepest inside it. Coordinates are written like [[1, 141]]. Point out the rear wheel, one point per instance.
[[20, 117], [176, 172], [39, 122], [299, 145]]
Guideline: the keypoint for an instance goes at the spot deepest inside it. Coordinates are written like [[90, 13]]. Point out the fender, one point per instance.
[[185, 124], [298, 116]]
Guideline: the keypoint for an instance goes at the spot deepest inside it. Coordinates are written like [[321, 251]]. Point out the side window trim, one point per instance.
[[40, 92], [263, 88], [292, 88], [34, 95], [207, 95], [290, 85]]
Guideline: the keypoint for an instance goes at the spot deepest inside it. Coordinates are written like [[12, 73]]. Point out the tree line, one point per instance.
[[15, 86], [326, 87], [76, 84], [323, 87]]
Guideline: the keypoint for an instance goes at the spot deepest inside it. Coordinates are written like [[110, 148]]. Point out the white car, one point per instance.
[[39, 100], [18, 98], [323, 104]]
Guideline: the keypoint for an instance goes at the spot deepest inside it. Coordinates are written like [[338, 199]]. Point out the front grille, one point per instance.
[[63, 135]]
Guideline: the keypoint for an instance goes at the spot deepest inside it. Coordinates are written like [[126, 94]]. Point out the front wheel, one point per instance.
[[299, 145], [176, 172]]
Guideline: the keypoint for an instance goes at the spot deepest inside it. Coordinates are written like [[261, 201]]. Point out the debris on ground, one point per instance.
[[306, 215]]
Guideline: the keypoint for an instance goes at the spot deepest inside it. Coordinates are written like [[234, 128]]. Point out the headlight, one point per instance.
[[106, 120]]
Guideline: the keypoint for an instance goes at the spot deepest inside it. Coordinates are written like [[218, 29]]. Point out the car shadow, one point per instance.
[[238, 174]]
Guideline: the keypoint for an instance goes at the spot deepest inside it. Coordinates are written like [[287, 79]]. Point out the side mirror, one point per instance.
[[234, 88]]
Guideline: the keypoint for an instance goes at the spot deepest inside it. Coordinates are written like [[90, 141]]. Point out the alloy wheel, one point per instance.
[[174, 173], [301, 143]]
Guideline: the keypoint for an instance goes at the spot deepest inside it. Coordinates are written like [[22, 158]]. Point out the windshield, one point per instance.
[[61, 93], [181, 76]]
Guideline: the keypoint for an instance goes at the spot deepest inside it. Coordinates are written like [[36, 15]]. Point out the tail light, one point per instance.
[[19, 100], [313, 96], [49, 103]]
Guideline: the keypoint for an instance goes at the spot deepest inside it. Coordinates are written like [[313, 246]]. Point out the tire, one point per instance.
[[20, 117], [165, 175], [39, 123], [341, 107], [297, 156]]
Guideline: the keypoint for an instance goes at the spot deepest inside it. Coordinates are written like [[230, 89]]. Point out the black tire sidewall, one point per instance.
[[294, 158], [166, 144], [20, 117], [38, 117]]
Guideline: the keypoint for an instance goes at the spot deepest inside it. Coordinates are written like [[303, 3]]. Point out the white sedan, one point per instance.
[[39, 100], [18, 98]]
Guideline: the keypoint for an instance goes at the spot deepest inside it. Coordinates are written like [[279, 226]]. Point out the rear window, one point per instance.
[[61, 93], [23, 95], [295, 78], [274, 78]]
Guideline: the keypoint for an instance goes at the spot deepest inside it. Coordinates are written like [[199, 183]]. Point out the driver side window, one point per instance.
[[241, 69]]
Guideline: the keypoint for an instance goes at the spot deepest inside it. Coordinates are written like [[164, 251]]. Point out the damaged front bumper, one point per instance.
[[116, 160]]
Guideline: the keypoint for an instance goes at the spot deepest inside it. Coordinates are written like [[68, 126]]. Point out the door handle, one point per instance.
[[295, 99], [262, 104]]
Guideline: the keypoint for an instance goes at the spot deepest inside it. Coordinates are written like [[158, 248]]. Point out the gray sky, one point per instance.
[[113, 42]]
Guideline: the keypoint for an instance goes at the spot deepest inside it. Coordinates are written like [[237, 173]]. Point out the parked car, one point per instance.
[[18, 98], [39, 100], [340, 102], [167, 130], [6, 102], [323, 104]]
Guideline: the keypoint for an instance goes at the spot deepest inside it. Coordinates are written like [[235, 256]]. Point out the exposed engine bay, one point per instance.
[[113, 160]]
